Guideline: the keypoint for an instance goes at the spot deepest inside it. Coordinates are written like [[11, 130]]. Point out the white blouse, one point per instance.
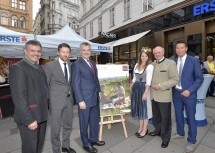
[[149, 73]]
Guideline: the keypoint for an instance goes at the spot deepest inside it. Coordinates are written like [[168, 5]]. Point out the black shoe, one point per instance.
[[164, 144], [154, 134], [68, 150], [90, 149], [140, 136], [137, 133], [98, 143]]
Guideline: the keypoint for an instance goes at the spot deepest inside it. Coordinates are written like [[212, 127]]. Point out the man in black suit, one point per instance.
[[29, 91], [86, 88]]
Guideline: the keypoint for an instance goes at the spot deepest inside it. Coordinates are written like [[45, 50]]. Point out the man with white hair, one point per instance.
[[165, 76]]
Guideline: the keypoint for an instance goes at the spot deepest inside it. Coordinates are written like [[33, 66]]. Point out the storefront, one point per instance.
[[190, 22]]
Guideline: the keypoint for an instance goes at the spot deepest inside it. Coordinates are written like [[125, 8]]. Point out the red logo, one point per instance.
[[24, 39]]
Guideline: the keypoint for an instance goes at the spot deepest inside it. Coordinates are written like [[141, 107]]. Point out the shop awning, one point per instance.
[[129, 39]]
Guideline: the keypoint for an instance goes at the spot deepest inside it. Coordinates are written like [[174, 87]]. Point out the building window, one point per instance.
[[53, 5], [148, 5], [73, 25], [22, 5], [22, 22], [91, 4], [84, 7], [126, 9], [14, 3], [91, 29], [60, 21], [112, 17], [100, 24], [4, 18], [14, 21], [60, 5], [84, 31]]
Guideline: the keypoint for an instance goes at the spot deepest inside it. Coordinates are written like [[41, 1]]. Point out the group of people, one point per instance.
[[59, 85], [62, 84], [170, 80]]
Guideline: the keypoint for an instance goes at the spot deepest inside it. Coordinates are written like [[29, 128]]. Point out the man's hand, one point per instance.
[[33, 126], [185, 93], [156, 87], [82, 105], [144, 97]]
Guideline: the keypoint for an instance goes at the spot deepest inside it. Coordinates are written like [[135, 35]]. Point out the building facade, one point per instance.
[[55, 14], [169, 21], [16, 15]]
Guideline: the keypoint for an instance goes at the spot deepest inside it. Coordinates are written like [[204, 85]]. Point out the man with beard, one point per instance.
[[59, 79]]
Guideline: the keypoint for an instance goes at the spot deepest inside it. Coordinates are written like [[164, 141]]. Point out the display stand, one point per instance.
[[109, 120], [201, 119]]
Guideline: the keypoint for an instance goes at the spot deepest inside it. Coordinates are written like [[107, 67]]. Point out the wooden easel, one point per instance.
[[110, 120]]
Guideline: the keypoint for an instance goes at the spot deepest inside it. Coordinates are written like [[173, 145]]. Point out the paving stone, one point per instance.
[[154, 146], [209, 140], [204, 149]]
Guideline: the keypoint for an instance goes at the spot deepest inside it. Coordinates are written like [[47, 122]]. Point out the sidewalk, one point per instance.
[[115, 141]]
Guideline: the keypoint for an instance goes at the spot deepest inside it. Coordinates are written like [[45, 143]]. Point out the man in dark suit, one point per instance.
[[86, 89], [185, 94], [59, 79], [30, 94]]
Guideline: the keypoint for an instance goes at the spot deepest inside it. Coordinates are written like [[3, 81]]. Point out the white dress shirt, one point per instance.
[[149, 72], [178, 67], [62, 67]]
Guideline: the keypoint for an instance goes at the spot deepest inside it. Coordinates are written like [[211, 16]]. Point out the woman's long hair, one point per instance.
[[149, 61]]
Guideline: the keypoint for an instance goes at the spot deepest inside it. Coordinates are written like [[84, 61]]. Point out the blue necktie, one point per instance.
[[180, 72]]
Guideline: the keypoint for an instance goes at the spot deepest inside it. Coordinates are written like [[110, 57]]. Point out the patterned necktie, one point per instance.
[[91, 66], [180, 72], [65, 72]]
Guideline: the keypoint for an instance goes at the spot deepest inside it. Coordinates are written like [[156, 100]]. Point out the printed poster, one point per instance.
[[115, 89]]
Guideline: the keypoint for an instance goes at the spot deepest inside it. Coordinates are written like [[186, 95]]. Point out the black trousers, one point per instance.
[[32, 140], [162, 119], [211, 88]]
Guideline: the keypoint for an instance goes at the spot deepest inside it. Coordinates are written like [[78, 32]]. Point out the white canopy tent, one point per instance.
[[69, 36], [12, 43]]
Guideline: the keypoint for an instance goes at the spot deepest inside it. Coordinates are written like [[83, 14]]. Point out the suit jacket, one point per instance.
[[207, 66], [58, 86], [165, 74], [29, 92], [191, 77], [85, 84]]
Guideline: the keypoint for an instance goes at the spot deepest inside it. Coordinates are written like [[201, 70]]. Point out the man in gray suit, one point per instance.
[[59, 79], [210, 66]]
